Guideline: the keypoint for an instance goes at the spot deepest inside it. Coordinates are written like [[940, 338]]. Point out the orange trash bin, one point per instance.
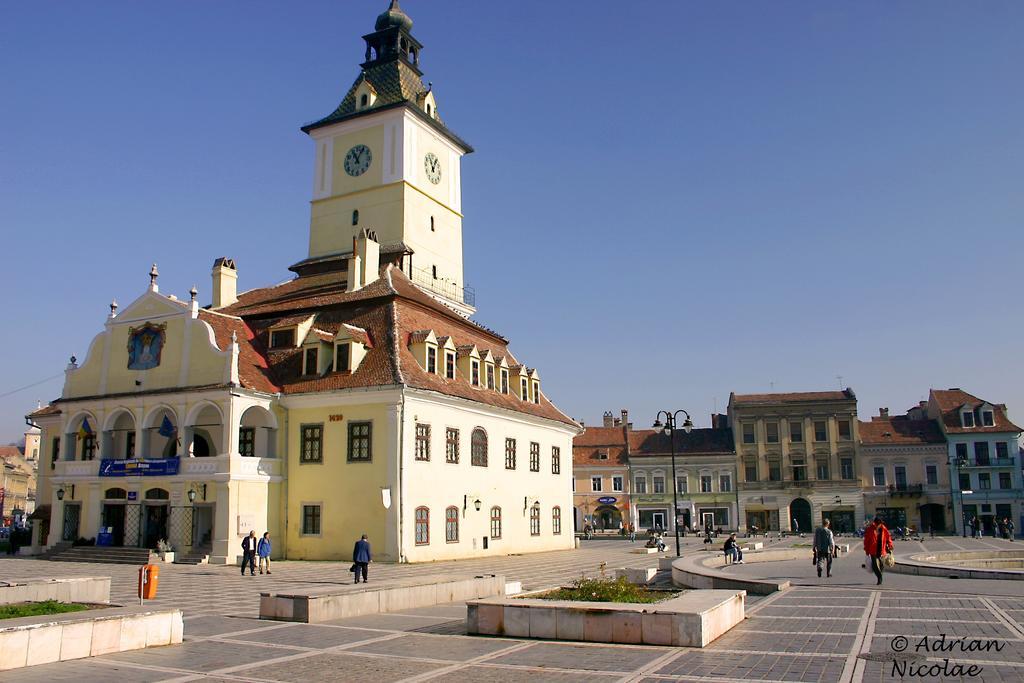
[[149, 577]]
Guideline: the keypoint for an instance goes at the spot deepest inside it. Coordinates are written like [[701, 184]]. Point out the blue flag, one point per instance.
[[166, 428]]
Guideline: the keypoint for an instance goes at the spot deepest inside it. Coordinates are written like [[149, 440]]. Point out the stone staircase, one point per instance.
[[197, 555], [104, 554]]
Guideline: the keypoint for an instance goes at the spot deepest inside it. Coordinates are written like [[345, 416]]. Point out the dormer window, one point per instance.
[[310, 361], [449, 365], [282, 339], [475, 373], [343, 357], [987, 418], [432, 360], [504, 381], [968, 418], [364, 100], [536, 392], [524, 389]]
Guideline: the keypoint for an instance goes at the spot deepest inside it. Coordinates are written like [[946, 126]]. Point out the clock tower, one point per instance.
[[385, 161]]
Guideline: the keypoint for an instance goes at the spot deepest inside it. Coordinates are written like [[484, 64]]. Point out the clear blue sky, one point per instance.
[[670, 201]]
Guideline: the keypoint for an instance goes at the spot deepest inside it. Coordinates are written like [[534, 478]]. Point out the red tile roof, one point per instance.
[[589, 447], [653, 442], [253, 369], [44, 411], [949, 402], [900, 430], [794, 397]]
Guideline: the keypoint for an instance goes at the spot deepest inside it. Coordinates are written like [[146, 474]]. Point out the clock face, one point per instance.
[[358, 160], [433, 166]]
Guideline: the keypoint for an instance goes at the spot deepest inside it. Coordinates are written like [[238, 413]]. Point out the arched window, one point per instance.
[[495, 522], [535, 520], [429, 110], [355, 217], [157, 494], [478, 448], [115, 494], [364, 100], [451, 525], [422, 526], [556, 520]]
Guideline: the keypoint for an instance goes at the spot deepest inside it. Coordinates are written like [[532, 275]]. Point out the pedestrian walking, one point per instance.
[[877, 544], [361, 558], [824, 547], [632, 532], [263, 550], [249, 544], [796, 526]]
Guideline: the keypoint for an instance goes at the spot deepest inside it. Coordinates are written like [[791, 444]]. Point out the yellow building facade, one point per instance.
[[355, 398]]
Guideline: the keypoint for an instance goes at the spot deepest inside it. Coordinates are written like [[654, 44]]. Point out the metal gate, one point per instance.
[[179, 527], [72, 517], [132, 525]]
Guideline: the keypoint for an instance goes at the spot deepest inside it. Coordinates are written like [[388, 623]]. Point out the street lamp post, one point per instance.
[[961, 463], [669, 429]]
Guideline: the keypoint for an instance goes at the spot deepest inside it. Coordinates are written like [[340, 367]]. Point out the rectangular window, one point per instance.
[[961, 451], [774, 470], [659, 484], [968, 418], [504, 381], [771, 432], [981, 453], [534, 457], [640, 485], [536, 392], [844, 430], [510, 454], [523, 390], [965, 481], [1004, 480], [724, 483], [359, 436], [129, 445], [535, 520], [1002, 450], [343, 358], [449, 365], [681, 485], [556, 520], [431, 360], [474, 373], [556, 461], [422, 517], [495, 522], [490, 376], [799, 469], [931, 473], [89, 447], [616, 483], [705, 483], [796, 431], [984, 481], [846, 467], [822, 470], [422, 442], [311, 443], [595, 483], [748, 432], [451, 445], [879, 476], [987, 418], [310, 520], [280, 339], [311, 361], [247, 442], [750, 469], [901, 477], [54, 451], [820, 430], [451, 525]]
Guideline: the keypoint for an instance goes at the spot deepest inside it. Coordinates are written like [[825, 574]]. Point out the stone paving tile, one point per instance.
[[779, 625], [936, 613], [314, 636], [396, 622], [799, 599], [84, 671], [332, 667], [951, 601], [199, 656], [449, 628], [428, 647], [919, 627], [212, 625], [755, 667], [1009, 603], [587, 657], [821, 611], [793, 643], [493, 674]]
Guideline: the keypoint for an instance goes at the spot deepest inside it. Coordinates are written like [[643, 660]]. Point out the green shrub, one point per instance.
[[34, 609], [606, 590]]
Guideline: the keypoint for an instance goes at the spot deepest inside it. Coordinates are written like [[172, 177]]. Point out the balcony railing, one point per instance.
[[446, 288], [796, 484], [906, 489]]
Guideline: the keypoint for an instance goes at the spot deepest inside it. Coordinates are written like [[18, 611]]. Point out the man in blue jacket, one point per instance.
[[361, 557]]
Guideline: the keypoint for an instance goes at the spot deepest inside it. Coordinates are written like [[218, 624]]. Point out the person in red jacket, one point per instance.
[[877, 544]]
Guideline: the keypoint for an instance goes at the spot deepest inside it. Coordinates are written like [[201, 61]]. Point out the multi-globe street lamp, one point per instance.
[[669, 429]]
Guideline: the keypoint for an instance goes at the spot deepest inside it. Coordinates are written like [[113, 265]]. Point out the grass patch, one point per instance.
[[35, 609], [606, 590]]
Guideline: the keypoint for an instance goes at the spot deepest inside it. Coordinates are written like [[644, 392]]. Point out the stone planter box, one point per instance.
[[167, 557], [94, 590], [60, 637], [693, 619], [640, 576], [341, 602]]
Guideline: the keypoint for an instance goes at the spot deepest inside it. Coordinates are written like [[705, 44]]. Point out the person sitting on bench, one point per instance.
[[732, 550]]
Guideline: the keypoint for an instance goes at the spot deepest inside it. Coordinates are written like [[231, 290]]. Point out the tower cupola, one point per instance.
[[392, 40]]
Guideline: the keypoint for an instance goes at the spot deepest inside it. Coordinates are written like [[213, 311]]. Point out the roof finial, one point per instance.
[[113, 307], [153, 275], [193, 293], [234, 337]]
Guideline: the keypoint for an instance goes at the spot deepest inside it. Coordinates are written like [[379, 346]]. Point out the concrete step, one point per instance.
[[104, 554]]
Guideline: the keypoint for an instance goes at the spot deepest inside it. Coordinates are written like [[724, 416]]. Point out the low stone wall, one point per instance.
[[933, 564], [343, 601], [693, 619], [701, 571], [60, 637], [94, 590]]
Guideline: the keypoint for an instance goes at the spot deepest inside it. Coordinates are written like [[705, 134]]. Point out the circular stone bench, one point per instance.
[[936, 564], [704, 570]]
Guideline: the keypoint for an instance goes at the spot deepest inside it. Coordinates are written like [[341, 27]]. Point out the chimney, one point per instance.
[[625, 419], [883, 412], [923, 405], [719, 421], [609, 419], [364, 264], [225, 282]]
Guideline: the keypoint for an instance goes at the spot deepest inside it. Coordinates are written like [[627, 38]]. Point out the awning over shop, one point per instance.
[[41, 512]]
